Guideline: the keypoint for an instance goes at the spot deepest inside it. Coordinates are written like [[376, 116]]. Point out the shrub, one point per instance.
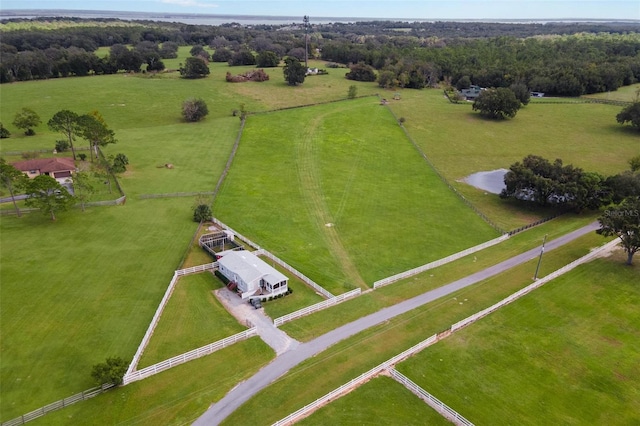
[[194, 109], [62, 145], [4, 132], [224, 279], [30, 155], [110, 371], [82, 156]]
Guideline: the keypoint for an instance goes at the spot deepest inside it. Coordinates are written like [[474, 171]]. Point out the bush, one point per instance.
[[110, 371], [224, 279], [62, 145], [202, 213], [82, 156], [194, 110]]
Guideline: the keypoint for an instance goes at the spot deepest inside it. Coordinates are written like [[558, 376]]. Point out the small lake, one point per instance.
[[492, 181]]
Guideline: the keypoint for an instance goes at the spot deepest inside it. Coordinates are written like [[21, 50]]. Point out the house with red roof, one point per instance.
[[59, 168]]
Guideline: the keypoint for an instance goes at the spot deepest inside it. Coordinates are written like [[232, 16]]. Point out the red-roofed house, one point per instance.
[[59, 168]]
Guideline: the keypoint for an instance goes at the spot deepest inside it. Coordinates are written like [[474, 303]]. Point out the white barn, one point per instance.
[[251, 274]]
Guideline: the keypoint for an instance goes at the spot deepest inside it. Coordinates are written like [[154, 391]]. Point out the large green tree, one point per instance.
[[194, 67], [26, 119], [294, 71], [93, 129], [623, 221], [66, 122], [45, 193], [13, 180], [497, 103], [631, 115]]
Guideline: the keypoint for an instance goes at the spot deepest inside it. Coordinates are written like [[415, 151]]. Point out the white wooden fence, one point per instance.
[[198, 268], [439, 262], [152, 325], [260, 251], [32, 415], [518, 294], [187, 356], [317, 307], [163, 303], [294, 271], [242, 237], [442, 408]]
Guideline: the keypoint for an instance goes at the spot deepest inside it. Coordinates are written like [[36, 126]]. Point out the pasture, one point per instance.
[[192, 318], [460, 142], [567, 353], [85, 287], [338, 190], [394, 405], [351, 357]]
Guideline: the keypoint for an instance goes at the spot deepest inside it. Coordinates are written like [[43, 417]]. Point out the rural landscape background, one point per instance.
[[349, 182]]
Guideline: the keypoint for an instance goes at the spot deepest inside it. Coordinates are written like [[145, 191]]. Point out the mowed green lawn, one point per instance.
[[394, 405], [193, 318], [339, 191], [566, 354]]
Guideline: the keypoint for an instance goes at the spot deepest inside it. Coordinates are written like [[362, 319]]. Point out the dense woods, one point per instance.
[[565, 59]]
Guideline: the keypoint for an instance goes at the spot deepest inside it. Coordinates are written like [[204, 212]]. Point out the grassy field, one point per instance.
[[626, 94], [311, 326], [193, 318], [394, 405], [174, 397], [567, 353], [85, 287], [362, 201], [79, 290], [352, 357], [459, 142]]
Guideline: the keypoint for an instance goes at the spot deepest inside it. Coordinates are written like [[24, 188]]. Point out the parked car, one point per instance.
[[255, 303]]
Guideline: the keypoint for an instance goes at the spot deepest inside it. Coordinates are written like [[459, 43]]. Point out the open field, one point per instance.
[[625, 93], [314, 325], [79, 290], [379, 401], [173, 397], [567, 353], [346, 360], [193, 318], [362, 201], [459, 142], [85, 287]]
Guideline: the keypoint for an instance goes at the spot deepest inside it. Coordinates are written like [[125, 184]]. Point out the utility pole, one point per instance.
[[535, 277], [306, 42]]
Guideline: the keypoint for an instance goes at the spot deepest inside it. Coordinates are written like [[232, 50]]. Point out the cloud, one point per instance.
[[189, 3]]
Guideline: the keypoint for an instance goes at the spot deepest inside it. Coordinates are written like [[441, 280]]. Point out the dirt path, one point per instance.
[[311, 188]]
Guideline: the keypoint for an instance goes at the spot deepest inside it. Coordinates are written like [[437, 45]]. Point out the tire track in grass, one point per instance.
[[311, 190]]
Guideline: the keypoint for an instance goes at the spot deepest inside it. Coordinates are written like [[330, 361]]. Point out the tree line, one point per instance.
[[578, 59]]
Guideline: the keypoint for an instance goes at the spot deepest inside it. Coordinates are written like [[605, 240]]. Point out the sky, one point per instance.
[[398, 9]]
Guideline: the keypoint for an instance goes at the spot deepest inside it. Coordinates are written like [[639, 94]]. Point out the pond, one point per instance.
[[491, 181]]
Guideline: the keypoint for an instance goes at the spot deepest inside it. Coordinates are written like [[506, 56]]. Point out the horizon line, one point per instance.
[[7, 13]]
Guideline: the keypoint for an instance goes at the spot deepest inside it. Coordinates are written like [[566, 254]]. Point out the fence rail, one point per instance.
[[294, 271], [152, 325], [188, 356], [196, 269], [439, 262], [442, 408], [32, 415], [175, 195], [518, 294], [239, 235], [317, 307]]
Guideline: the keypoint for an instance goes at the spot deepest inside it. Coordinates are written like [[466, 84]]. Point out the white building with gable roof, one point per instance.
[[251, 274]]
